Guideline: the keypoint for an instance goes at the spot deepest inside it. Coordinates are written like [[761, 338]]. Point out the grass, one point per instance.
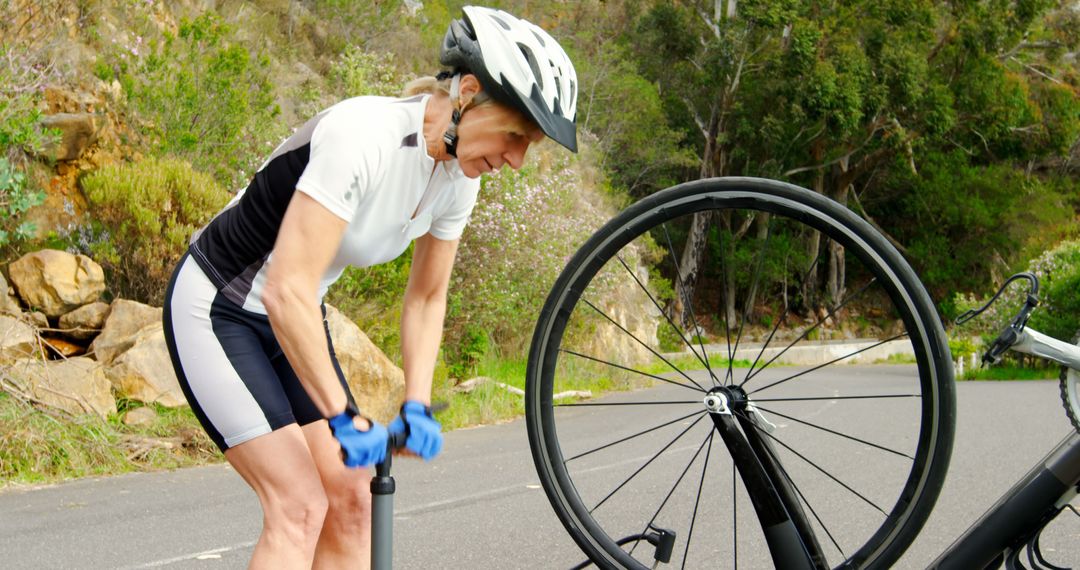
[[1010, 373], [38, 446]]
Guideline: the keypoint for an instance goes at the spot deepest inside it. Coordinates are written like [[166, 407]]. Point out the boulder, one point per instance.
[[139, 417], [377, 384], [17, 339], [37, 319], [144, 372], [9, 303], [75, 385], [57, 282], [77, 132], [126, 318], [85, 322]]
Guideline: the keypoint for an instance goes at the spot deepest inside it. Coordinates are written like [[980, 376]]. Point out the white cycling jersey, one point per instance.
[[365, 160]]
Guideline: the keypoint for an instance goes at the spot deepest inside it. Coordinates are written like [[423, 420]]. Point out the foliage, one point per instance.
[[357, 72], [1058, 313], [371, 296], [524, 229], [37, 446], [151, 208], [15, 199], [203, 97]]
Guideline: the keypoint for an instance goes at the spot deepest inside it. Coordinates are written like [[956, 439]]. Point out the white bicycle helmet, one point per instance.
[[519, 65]]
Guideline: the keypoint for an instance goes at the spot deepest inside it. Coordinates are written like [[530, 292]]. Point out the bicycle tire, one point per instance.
[[1069, 380], [796, 208]]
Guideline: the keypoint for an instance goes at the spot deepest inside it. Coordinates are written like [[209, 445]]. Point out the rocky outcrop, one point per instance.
[[377, 384], [77, 132], [144, 372], [57, 282], [85, 322], [126, 319], [76, 385]]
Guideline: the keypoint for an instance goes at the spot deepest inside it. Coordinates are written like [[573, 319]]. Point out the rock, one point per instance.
[[377, 384], [75, 385], [63, 347], [138, 417], [57, 282], [77, 131], [17, 339], [86, 321], [125, 319], [37, 319], [144, 372], [9, 304]]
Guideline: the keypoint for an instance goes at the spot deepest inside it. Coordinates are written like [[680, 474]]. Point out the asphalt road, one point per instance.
[[480, 506]]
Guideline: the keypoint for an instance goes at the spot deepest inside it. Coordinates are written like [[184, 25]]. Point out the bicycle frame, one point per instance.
[[999, 536], [1022, 512]]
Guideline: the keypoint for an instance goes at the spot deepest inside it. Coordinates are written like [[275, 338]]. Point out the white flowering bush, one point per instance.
[[1058, 313], [525, 227]]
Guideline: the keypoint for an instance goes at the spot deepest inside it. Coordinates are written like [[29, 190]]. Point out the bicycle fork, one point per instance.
[[791, 540]]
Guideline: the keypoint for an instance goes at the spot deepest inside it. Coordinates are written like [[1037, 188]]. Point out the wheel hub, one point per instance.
[[725, 400]]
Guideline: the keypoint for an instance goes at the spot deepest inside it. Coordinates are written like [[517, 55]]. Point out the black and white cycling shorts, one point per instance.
[[230, 366]]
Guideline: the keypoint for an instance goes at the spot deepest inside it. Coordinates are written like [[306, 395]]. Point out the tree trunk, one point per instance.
[[813, 247], [755, 284], [837, 284], [689, 266]]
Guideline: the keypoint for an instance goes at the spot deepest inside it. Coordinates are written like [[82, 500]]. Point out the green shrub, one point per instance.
[[202, 97], [357, 72], [524, 228], [151, 208], [1058, 313], [15, 199], [371, 296]]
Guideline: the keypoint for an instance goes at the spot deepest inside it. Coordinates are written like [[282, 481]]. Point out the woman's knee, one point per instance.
[[298, 515], [349, 505]]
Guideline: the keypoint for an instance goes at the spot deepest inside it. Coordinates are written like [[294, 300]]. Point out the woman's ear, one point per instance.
[[468, 88]]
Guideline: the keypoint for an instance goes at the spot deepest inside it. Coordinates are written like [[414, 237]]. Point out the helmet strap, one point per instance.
[[450, 137]]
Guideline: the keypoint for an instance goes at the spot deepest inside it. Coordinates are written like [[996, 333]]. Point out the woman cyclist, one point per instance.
[[355, 185]]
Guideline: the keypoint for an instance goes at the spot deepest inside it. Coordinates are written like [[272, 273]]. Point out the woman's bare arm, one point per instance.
[[306, 244], [423, 311]]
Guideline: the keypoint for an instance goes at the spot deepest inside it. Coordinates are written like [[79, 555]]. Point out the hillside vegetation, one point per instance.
[[953, 127]]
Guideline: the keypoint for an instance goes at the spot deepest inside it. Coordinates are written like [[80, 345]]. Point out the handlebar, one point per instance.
[[1011, 334]]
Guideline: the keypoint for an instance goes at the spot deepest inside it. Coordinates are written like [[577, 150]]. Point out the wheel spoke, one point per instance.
[[690, 306], [653, 458], [844, 435], [874, 397], [672, 402], [820, 366], [749, 299], [780, 321], [656, 304], [697, 502], [620, 367], [708, 439], [809, 330], [639, 341], [629, 437], [823, 471]]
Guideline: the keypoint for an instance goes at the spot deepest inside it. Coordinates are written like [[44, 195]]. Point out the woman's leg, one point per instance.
[[279, 468], [345, 541]]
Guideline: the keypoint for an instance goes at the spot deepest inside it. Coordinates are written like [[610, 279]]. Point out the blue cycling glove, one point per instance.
[[359, 448], [421, 431]]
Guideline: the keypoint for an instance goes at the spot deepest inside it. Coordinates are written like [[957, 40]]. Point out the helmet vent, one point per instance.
[[502, 23], [538, 38], [529, 57]]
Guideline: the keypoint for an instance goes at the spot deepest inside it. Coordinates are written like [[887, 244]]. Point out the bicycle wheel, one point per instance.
[[861, 428]]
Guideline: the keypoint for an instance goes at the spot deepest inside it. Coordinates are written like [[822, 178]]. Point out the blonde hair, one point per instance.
[[433, 85]]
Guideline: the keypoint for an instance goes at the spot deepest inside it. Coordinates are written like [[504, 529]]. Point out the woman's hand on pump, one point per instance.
[[359, 448], [423, 435]]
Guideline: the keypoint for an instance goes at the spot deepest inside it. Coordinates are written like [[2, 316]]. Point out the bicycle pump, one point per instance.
[[382, 508]]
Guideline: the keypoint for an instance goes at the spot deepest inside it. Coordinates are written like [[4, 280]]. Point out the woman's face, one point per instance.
[[492, 135]]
